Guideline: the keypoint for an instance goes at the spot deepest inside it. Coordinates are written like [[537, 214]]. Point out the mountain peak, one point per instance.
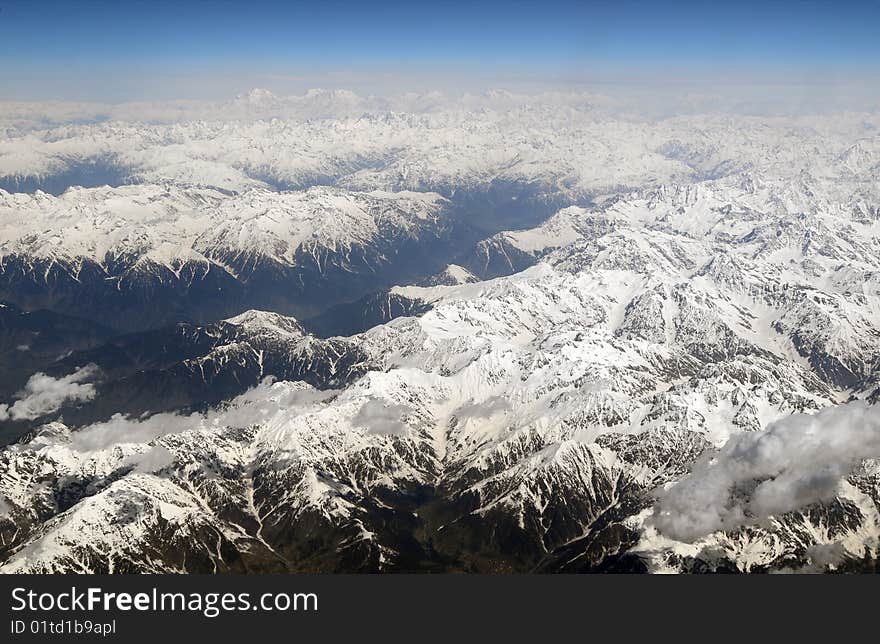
[[268, 321], [257, 96]]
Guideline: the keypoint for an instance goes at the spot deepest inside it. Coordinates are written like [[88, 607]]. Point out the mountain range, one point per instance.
[[543, 338]]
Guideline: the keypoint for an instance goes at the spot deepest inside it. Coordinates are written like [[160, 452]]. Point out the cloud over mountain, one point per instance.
[[797, 461], [44, 394]]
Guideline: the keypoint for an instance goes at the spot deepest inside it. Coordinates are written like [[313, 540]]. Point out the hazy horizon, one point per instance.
[[104, 52]]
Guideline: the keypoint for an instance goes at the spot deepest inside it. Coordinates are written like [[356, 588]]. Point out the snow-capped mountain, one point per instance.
[[673, 379], [560, 148], [137, 257]]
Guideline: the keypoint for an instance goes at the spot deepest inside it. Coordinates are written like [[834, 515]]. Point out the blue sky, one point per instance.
[[133, 49]]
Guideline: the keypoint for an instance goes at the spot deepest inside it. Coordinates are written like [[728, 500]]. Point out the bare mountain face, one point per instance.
[[678, 378]]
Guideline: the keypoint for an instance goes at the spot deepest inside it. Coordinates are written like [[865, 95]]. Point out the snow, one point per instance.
[[170, 226], [677, 314]]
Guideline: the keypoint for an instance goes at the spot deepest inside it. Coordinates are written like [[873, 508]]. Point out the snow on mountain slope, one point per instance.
[[523, 422], [393, 151], [147, 255], [162, 224], [501, 161], [453, 274]]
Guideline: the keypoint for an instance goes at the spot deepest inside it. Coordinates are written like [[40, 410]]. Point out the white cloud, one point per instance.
[[377, 417], [119, 430], [795, 462], [44, 394], [483, 410], [153, 460], [250, 408]]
